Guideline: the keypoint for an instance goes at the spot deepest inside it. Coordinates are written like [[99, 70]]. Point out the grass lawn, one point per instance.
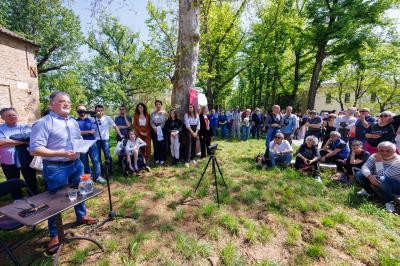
[[268, 217]]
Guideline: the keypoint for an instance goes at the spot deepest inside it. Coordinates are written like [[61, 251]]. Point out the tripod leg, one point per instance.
[[202, 175], [220, 172], [214, 172]]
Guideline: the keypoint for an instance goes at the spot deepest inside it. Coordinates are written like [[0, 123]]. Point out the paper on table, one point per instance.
[[81, 145]]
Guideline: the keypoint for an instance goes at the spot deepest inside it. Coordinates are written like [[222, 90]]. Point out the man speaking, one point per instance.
[[51, 138]]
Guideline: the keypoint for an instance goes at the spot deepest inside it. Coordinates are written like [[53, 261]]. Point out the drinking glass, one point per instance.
[[72, 195]]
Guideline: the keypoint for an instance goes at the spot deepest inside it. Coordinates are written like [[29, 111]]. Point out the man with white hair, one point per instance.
[[382, 171], [335, 148]]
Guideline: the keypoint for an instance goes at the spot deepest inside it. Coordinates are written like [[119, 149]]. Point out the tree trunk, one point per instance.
[[187, 54], [319, 59], [296, 80]]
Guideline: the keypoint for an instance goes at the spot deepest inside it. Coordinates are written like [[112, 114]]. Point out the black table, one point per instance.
[[57, 204]]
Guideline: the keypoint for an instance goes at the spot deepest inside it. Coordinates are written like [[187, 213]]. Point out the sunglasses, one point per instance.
[[363, 111], [383, 116]]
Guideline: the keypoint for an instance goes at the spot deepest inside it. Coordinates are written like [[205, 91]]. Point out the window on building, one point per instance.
[[328, 98], [373, 97], [347, 97]]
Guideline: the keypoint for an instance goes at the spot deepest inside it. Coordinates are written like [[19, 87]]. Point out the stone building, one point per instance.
[[19, 86]]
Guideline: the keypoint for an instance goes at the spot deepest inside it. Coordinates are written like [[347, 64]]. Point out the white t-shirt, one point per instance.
[[133, 145], [104, 125], [284, 146]]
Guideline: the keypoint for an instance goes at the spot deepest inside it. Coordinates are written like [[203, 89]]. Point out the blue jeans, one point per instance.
[[284, 158], [214, 130], [389, 186], [256, 131], [93, 153], [270, 136], [364, 183], [245, 132], [224, 131], [105, 146], [57, 176]]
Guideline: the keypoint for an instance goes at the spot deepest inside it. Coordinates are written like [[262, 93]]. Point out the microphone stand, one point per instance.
[[107, 174]]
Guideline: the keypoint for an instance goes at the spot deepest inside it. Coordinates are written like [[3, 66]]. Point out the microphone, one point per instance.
[[92, 113]]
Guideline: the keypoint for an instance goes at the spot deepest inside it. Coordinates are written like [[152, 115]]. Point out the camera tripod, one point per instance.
[[215, 165]]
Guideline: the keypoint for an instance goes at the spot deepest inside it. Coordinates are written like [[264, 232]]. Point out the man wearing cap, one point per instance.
[[52, 138], [314, 124], [280, 151], [363, 122]]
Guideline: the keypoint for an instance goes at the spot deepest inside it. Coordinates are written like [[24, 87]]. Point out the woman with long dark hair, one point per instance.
[[205, 131], [192, 124], [173, 127], [141, 124]]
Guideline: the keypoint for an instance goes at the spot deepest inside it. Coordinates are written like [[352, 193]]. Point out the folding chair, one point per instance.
[[8, 224]]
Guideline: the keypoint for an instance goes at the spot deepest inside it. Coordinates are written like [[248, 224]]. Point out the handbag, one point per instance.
[[37, 163]]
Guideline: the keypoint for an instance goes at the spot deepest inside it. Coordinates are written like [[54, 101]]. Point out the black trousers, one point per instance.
[[298, 164], [12, 171], [205, 142], [190, 145], [160, 147], [347, 168], [331, 159]]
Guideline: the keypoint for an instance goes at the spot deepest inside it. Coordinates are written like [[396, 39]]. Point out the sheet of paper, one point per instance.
[[81, 145]]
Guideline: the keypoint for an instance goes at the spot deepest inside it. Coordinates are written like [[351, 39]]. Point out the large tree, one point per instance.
[[187, 53], [339, 28]]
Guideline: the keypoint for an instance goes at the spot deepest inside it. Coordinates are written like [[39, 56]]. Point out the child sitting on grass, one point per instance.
[[132, 147]]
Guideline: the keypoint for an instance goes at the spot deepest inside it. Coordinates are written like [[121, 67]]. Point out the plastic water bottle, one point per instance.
[[85, 185]]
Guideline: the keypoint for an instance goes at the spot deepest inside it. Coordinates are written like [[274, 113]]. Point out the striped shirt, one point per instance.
[[389, 168]]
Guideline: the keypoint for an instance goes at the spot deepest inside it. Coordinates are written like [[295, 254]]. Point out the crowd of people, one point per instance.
[[363, 147]]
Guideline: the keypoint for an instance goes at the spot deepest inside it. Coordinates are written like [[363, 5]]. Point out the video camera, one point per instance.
[[213, 148], [92, 113]]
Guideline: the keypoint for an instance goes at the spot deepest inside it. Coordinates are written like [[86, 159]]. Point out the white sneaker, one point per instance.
[[318, 178], [363, 193], [101, 180], [194, 162], [157, 162], [161, 162], [187, 165], [390, 207]]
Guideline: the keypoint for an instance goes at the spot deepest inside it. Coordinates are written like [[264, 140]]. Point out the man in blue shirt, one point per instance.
[[52, 138], [334, 149], [289, 124], [12, 159], [365, 121], [123, 122], [88, 130]]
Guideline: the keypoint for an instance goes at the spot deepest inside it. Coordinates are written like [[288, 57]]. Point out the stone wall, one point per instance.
[[18, 78]]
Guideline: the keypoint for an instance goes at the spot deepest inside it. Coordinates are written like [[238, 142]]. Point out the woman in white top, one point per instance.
[[192, 124], [245, 123], [132, 147]]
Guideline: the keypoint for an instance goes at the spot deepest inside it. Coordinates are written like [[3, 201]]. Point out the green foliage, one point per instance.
[[230, 223], [123, 71], [231, 256], [189, 247]]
